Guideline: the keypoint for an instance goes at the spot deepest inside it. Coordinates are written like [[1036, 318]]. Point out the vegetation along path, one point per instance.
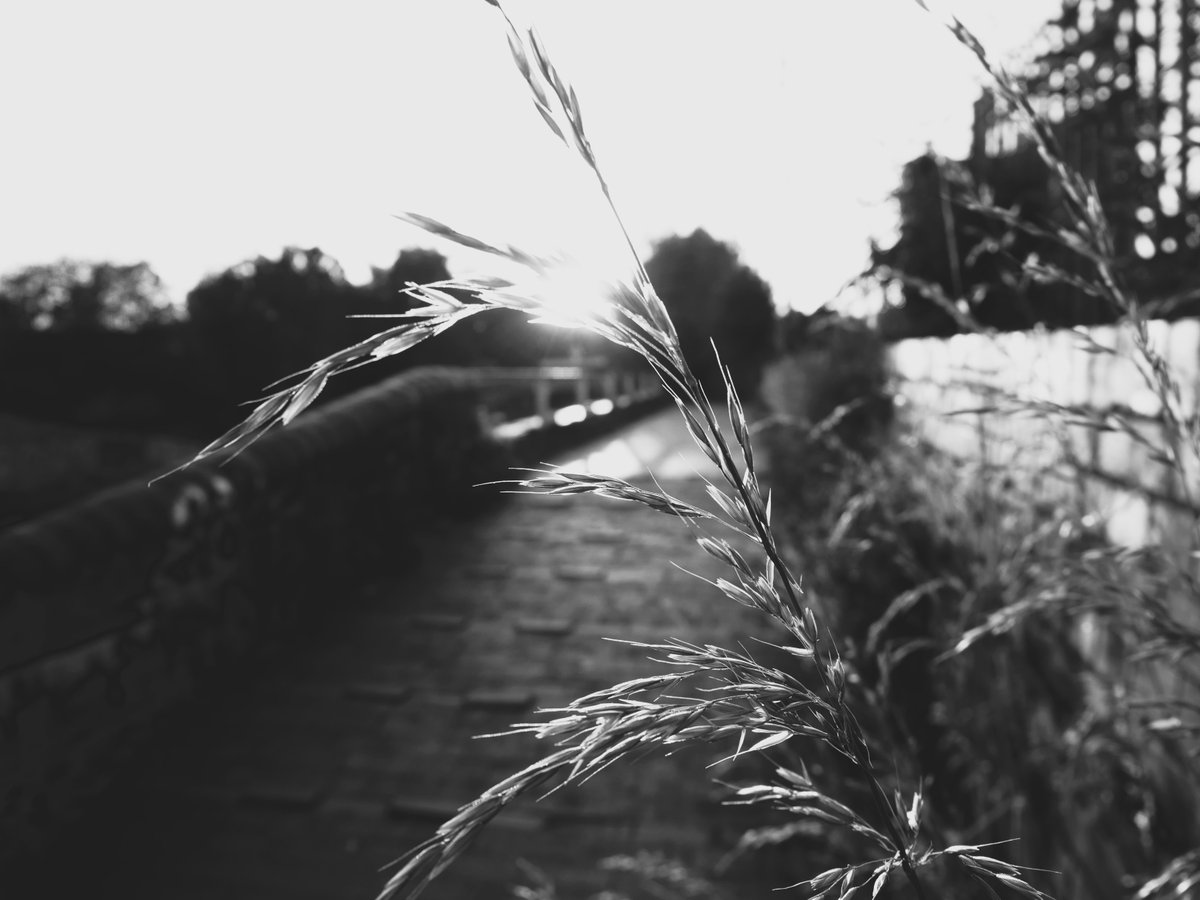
[[337, 754]]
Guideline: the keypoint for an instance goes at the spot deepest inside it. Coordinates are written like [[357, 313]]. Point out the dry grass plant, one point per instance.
[[707, 693], [957, 596], [1069, 663]]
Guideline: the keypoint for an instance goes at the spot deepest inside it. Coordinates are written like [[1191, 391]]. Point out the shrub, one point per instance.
[[715, 300], [1017, 654], [834, 378]]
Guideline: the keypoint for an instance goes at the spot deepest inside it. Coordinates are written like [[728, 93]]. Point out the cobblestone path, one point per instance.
[[348, 748]]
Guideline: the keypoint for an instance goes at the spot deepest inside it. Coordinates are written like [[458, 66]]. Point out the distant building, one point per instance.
[[1120, 81]]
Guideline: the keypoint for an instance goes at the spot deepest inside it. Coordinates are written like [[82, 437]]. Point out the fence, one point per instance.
[[1007, 400]]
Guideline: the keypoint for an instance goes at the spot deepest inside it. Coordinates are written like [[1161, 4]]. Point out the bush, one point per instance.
[[834, 378], [715, 299]]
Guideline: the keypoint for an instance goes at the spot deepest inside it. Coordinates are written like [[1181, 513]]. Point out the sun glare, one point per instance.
[[574, 294]]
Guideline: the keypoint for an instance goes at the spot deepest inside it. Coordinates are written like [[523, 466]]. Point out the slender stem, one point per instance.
[[885, 813], [766, 539], [859, 753]]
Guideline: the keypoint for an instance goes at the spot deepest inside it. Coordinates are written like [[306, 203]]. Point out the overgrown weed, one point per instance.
[[957, 709], [1044, 678], [995, 636]]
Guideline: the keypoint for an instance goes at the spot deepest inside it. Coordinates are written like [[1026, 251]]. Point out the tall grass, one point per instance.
[[1036, 673], [1044, 679], [856, 725]]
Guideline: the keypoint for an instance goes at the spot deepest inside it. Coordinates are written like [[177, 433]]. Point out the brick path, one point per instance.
[[339, 753]]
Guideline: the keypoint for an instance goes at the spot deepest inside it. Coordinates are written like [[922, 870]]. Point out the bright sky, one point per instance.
[[194, 136]]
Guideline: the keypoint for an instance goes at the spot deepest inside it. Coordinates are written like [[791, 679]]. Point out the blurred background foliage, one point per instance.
[[101, 345], [714, 298], [962, 595]]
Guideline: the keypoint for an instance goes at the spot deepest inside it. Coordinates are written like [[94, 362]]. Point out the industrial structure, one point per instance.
[[1120, 82]]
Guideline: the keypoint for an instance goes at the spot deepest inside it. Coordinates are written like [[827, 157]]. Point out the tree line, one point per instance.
[[102, 344], [987, 242]]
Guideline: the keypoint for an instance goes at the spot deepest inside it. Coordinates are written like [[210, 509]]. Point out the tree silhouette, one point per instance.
[[957, 264], [746, 327], [76, 295], [414, 265], [712, 296], [264, 319], [932, 250], [498, 337], [949, 252]]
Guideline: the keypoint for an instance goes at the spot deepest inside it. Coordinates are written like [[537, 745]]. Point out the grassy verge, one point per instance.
[[1030, 670], [1042, 680]]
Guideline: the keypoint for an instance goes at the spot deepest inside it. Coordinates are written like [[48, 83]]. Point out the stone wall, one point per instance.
[[973, 395], [119, 607]]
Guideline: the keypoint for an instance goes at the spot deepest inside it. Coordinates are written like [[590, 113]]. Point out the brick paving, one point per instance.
[[302, 778]]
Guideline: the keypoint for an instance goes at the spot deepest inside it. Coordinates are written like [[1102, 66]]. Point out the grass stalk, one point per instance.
[[735, 697]]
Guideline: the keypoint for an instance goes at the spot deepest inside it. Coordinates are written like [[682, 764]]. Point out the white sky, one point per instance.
[[194, 136]]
